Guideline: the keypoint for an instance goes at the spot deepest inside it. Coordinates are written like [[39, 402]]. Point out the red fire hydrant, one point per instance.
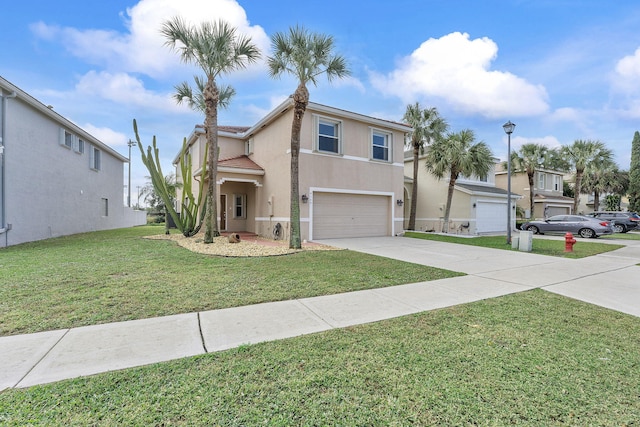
[[569, 241]]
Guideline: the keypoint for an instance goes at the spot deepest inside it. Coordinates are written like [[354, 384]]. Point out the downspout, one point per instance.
[[3, 132]]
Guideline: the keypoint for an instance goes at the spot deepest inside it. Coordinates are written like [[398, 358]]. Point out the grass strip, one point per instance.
[[581, 249], [528, 359], [117, 275]]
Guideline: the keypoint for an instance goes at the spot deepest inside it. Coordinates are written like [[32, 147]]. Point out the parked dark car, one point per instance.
[[583, 226], [620, 221]]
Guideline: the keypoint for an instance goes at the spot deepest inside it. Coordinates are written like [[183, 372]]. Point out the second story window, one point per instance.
[[95, 160], [557, 183], [328, 136], [542, 181], [380, 143]]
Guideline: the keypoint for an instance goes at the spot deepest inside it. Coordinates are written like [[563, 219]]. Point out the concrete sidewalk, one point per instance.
[[610, 280]]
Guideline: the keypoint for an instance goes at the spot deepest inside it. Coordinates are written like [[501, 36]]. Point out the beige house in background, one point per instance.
[[547, 192], [478, 206], [350, 174]]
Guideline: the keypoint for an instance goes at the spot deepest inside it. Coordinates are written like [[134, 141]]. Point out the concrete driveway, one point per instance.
[[609, 280]]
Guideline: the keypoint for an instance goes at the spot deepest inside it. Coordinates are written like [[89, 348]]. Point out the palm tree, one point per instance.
[[580, 154], [601, 176], [216, 49], [306, 56], [458, 153], [529, 158], [427, 126]]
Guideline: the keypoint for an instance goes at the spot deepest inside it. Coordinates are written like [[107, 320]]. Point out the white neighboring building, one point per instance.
[[55, 178]]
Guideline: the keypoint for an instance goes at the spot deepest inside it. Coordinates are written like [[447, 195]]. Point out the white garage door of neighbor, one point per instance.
[[338, 215], [491, 217]]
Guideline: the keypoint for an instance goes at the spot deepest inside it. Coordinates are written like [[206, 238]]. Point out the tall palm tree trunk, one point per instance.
[[447, 210], [530, 176], [211, 125], [414, 189], [576, 190], [301, 100]]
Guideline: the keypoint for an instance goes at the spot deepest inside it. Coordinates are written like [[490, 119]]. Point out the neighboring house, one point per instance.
[[55, 178], [478, 207], [350, 174], [547, 192]]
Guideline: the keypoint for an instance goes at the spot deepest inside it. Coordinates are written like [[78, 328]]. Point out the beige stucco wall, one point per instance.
[[268, 196], [432, 201], [520, 185]]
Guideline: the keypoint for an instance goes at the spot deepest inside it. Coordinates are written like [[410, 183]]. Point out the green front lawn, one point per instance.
[[117, 275], [527, 359], [582, 248]]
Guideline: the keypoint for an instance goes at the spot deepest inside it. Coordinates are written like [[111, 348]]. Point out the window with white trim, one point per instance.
[[105, 207], [542, 181], [79, 146], [248, 147], [66, 138], [380, 145], [95, 159], [329, 136], [557, 183], [240, 206]]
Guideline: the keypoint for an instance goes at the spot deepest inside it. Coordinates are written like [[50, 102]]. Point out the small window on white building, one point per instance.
[[105, 207], [66, 138], [79, 146], [240, 206], [95, 161], [557, 183]]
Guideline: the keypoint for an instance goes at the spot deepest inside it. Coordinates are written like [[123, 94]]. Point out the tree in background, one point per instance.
[[601, 177], [306, 56], [458, 153], [427, 126], [634, 174], [216, 49], [580, 154], [529, 158]]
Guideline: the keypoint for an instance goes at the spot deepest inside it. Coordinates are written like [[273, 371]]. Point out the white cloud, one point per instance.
[[141, 47], [107, 135], [457, 70], [124, 89], [627, 72]]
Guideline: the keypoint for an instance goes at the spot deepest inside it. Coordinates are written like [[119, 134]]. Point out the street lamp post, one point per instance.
[[130, 144], [508, 128]]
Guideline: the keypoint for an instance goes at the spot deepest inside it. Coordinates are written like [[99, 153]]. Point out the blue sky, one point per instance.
[[560, 69]]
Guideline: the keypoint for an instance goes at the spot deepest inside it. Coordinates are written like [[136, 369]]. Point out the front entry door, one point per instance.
[[223, 212]]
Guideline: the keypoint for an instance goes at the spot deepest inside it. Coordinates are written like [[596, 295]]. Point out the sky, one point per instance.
[[560, 70]]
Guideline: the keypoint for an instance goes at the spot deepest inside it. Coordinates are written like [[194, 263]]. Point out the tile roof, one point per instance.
[[240, 162]]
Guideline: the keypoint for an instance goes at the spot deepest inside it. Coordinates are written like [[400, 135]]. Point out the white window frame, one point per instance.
[[557, 183], [95, 159], [248, 147], [388, 138], [105, 207], [79, 145], [242, 205], [66, 138], [542, 181], [328, 121]]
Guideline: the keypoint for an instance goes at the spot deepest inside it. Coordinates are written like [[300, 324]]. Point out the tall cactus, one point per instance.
[[189, 219]]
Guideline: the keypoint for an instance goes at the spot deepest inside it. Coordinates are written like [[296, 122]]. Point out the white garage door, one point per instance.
[[338, 215], [491, 217]]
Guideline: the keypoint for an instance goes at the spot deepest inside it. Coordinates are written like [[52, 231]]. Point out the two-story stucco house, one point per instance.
[[478, 206], [55, 178], [547, 192], [350, 174]]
